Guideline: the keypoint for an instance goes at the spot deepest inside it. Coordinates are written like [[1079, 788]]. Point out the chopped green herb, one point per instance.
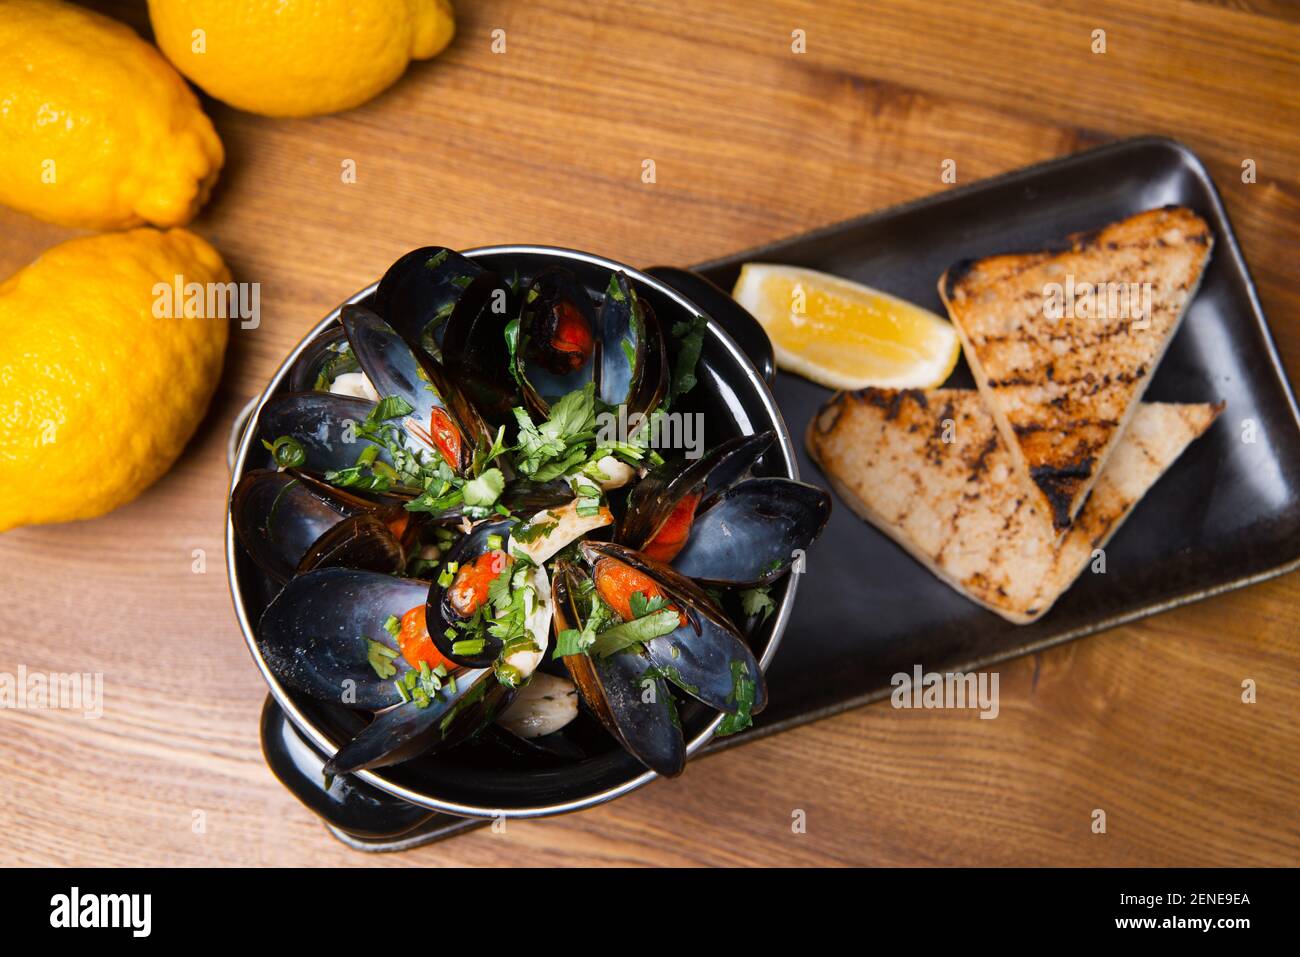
[[690, 337], [563, 442], [569, 642], [742, 695], [641, 606], [390, 407], [757, 601], [530, 532], [483, 491], [508, 674], [287, 452], [635, 632], [381, 658]]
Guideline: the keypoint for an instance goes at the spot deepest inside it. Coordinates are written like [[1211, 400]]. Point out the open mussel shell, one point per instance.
[[653, 500], [325, 359], [657, 376], [629, 698], [526, 496], [363, 541], [475, 351], [277, 517], [441, 613], [442, 419], [556, 352], [289, 522], [620, 344], [420, 293], [325, 425], [520, 495], [704, 656], [407, 730], [632, 367], [751, 533], [315, 634]]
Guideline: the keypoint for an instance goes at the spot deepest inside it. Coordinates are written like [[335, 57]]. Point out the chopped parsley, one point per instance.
[[758, 601], [484, 491], [287, 451], [742, 695], [563, 442], [690, 338], [381, 658]]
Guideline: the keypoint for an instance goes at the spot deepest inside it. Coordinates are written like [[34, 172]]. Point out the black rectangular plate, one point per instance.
[[1225, 515]]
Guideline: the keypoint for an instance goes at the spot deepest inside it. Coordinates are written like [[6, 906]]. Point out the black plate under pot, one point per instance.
[[1225, 515], [481, 779]]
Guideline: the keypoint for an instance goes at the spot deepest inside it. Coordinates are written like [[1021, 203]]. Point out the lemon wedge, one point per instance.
[[844, 335]]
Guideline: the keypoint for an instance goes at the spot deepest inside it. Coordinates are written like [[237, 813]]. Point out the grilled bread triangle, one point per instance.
[[1063, 344], [931, 470]]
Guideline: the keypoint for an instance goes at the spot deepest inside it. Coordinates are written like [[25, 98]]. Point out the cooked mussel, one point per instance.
[[442, 418], [324, 429], [556, 351], [458, 711], [289, 522], [318, 635], [713, 527], [325, 636], [327, 435], [328, 365], [705, 656], [632, 365], [624, 690], [463, 591], [566, 343], [752, 533], [661, 507], [456, 311], [420, 293]]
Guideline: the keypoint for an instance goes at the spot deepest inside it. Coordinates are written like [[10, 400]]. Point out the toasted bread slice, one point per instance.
[[931, 470], [1063, 344]]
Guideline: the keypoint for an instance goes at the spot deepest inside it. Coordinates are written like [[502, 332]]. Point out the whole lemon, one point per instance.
[[99, 389], [298, 57], [97, 128]]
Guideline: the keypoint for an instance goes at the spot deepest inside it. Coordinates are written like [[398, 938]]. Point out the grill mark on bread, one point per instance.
[[1062, 391], [1087, 378]]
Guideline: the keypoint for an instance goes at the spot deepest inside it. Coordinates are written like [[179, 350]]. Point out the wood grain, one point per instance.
[[545, 143]]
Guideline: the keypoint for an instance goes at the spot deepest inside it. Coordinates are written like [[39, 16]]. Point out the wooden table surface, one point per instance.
[[751, 141]]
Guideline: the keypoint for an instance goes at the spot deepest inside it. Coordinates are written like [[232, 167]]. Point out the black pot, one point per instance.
[[376, 807]]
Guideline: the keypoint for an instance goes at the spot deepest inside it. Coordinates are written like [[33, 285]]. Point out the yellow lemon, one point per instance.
[[844, 335], [97, 129], [99, 389], [298, 57]]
